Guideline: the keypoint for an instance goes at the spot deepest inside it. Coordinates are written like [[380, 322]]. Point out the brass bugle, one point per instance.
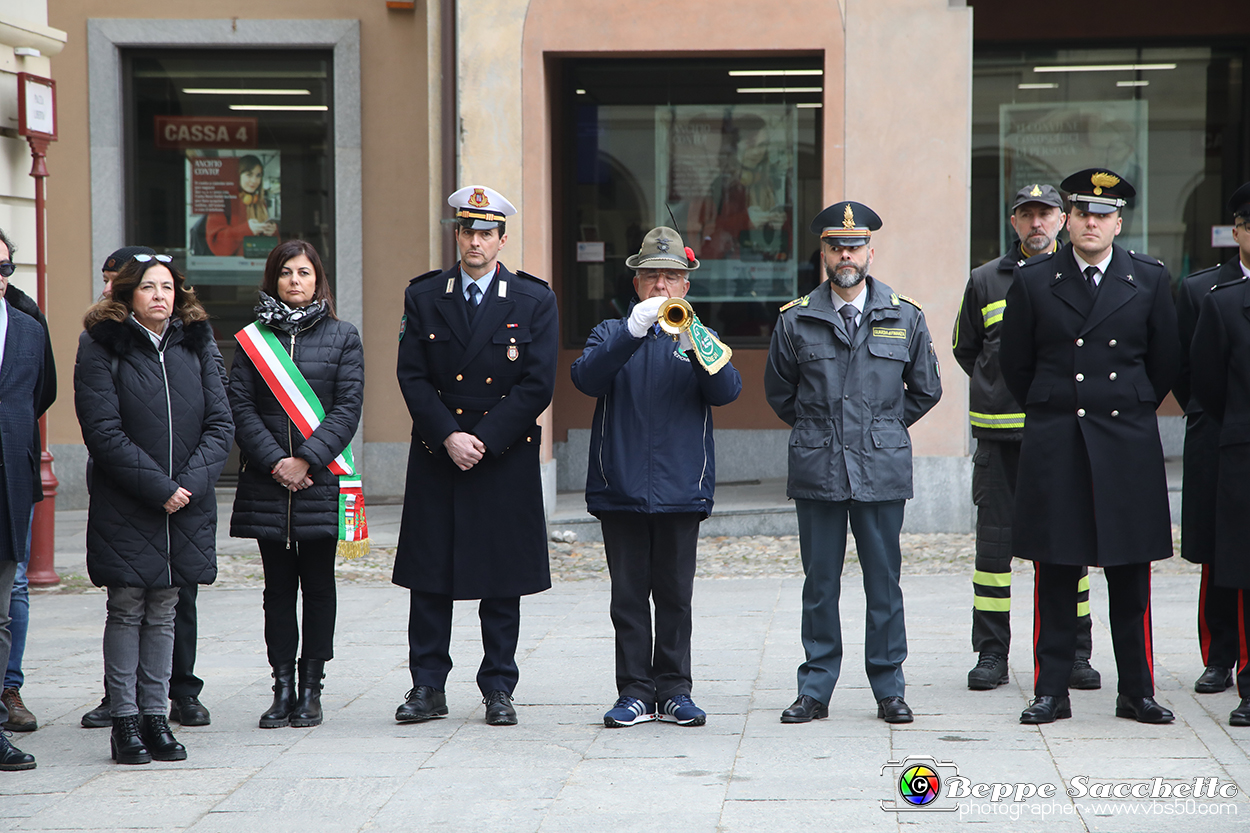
[[676, 316]]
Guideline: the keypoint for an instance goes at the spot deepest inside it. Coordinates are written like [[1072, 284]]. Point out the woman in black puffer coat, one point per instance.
[[152, 405], [287, 497]]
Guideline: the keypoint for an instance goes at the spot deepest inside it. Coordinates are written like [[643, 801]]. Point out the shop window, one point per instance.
[[227, 153], [1170, 120], [727, 150]]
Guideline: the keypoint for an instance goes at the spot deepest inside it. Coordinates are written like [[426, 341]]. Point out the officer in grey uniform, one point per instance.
[[998, 425], [850, 367]]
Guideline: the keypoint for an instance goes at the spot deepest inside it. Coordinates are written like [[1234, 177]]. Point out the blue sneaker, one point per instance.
[[627, 712], [680, 709]]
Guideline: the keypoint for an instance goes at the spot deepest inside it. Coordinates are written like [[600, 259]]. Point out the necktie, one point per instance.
[[1091, 272], [848, 313], [475, 295]]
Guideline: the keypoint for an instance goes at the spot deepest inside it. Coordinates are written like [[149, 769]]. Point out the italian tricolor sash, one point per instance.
[[304, 410]]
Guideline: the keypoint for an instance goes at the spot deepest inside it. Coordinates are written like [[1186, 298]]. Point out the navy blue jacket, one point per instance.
[[651, 446], [22, 383]]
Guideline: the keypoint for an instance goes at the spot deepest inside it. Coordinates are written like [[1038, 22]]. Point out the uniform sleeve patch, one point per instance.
[[403, 325]]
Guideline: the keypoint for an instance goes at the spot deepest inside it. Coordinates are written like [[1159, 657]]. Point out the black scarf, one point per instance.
[[273, 313]]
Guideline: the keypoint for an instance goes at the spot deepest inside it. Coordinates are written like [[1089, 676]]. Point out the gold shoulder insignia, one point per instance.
[[911, 301], [799, 301]]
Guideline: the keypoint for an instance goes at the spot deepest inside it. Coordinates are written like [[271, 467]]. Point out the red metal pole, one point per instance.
[[41, 571]]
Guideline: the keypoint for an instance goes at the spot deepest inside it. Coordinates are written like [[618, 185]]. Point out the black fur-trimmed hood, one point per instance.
[[123, 337]]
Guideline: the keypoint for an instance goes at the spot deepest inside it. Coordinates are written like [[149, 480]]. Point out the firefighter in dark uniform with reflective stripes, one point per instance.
[[998, 427], [1218, 630]]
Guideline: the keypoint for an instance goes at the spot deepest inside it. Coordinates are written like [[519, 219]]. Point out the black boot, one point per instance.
[[160, 741], [307, 711], [279, 713], [127, 743]]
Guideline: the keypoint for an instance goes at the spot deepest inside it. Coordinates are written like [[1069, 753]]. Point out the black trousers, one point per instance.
[[307, 566], [651, 559], [995, 466], [429, 641], [1054, 627], [1219, 622], [182, 679]]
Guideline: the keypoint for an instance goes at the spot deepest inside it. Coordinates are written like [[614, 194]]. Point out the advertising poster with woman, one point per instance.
[[234, 202]]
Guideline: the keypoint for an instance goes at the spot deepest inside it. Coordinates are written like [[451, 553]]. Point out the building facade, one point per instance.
[[735, 122]]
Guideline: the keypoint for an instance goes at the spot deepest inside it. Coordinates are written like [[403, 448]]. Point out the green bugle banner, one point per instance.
[[712, 353]]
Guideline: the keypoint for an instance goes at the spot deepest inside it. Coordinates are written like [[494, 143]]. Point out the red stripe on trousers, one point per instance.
[[1037, 624], [1204, 630], [1244, 659], [1150, 650]]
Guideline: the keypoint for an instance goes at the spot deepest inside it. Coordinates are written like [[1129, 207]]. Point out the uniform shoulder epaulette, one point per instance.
[[531, 277], [1233, 282], [804, 301], [429, 274], [1144, 258], [911, 301]]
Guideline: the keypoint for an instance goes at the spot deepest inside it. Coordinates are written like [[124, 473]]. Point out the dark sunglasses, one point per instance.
[[159, 258], [7, 268]]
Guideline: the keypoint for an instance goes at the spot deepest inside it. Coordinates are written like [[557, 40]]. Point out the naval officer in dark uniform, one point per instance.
[[477, 363], [1220, 382], [1089, 347], [1218, 641], [850, 367]]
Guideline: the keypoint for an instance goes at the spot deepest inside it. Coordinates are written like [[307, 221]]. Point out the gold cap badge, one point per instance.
[[1036, 192], [1102, 180], [848, 218], [479, 200]]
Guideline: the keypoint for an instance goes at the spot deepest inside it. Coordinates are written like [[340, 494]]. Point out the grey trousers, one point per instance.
[[139, 649], [822, 545], [8, 570]]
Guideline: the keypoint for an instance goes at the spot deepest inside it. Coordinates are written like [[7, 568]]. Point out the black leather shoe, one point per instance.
[[804, 710], [1214, 680], [126, 742], [1142, 709], [1240, 716], [990, 672], [188, 711], [1047, 709], [423, 703], [12, 758], [894, 710], [99, 717], [1084, 677], [307, 711], [160, 741], [499, 710], [279, 713]]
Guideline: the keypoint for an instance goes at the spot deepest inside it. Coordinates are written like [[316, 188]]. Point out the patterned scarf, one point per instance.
[[273, 313]]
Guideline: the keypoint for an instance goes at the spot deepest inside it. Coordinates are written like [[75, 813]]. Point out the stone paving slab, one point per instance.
[[561, 770]]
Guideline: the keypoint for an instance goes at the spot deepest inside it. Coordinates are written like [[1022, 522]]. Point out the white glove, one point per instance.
[[684, 341], [645, 314]]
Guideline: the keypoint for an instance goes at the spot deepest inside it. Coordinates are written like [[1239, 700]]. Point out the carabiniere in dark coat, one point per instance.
[[152, 421], [1220, 378], [479, 533], [1090, 370]]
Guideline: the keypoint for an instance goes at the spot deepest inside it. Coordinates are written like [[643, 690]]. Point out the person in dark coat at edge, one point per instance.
[[22, 385], [1089, 347], [287, 497], [184, 686], [1219, 375], [152, 406], [1218, 639], [20, 717], [998, 426], [477, 365], [651, 480], [850, 368]]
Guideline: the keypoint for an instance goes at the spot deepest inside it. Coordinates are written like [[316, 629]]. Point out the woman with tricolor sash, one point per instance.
[[296, 391]]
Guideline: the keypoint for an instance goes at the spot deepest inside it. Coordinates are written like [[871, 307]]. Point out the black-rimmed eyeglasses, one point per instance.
[[158, 258]]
